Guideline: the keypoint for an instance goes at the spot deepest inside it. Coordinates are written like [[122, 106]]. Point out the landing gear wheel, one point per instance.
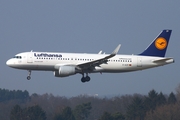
[[83, 79], [28, 77], [87, 78]]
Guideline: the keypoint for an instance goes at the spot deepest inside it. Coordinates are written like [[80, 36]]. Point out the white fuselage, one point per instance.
[[49, 61]]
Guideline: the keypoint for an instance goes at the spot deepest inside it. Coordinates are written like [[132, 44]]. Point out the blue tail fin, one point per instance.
[[159, 45]]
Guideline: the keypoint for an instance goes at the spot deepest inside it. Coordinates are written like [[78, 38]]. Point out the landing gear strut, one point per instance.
[[29, 75], [85, 79]]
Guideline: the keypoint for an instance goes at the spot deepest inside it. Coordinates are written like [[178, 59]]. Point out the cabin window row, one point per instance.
[[119, 60], [79, 59], [66, 59]]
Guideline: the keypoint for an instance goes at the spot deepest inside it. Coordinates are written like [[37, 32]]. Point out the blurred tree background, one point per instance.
[[19, 105]]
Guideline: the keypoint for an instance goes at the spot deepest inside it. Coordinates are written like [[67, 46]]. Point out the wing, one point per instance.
[[90, 65]]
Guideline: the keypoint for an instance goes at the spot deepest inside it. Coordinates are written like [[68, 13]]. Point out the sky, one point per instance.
[[88, 27]]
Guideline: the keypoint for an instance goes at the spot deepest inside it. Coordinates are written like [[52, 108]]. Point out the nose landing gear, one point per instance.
[[29, 75]]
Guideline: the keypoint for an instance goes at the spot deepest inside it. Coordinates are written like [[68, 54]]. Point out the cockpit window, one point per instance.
[[18, 57]]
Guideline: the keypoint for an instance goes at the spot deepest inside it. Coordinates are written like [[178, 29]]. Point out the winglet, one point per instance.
[[100, 52], [116, 50]]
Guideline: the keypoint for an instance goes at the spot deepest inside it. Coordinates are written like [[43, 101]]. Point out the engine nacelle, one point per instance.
[[65, 71]]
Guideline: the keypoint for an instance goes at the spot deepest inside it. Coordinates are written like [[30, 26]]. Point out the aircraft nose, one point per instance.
[[9, 63]]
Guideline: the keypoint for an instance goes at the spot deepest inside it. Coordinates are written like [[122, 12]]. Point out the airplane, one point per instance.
[[67, 64]]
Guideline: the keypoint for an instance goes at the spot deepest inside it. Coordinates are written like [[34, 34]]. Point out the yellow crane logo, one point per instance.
[[161, 43]]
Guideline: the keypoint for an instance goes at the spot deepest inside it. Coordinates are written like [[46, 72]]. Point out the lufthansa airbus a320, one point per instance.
[[66, 64]]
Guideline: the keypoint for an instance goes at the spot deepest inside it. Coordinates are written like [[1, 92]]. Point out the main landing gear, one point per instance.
[[29, 75], [85, 79]]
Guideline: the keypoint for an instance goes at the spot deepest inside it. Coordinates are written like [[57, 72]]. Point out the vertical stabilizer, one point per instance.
[[159, 45]]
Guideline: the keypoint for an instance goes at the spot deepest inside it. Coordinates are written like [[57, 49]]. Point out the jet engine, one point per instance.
[[65, 71]]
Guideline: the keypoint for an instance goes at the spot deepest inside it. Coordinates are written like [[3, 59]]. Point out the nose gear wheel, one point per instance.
[[29, 75]]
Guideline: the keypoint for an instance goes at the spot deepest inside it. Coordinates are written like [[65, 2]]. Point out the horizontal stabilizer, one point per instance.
[[163, 60]]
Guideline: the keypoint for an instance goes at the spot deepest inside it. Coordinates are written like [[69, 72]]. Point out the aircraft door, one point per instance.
[[139, 62], [30, 57]]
